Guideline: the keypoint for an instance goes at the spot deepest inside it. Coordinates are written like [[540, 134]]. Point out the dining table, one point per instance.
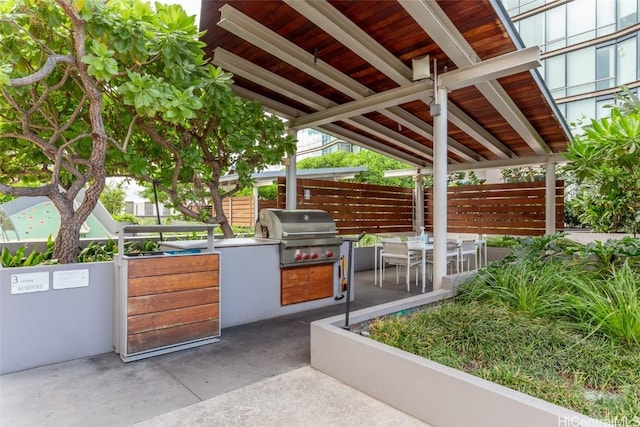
[[423, 248], [413, 246]]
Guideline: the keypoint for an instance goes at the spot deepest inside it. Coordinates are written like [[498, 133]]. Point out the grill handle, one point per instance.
[[303, 233]]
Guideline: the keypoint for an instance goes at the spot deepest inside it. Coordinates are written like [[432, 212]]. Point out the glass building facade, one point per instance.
[[589, 49]]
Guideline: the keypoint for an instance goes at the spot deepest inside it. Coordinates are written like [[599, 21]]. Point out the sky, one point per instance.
[[192, 7]]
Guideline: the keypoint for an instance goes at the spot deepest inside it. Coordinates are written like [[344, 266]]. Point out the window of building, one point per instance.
[[512, 6], [148, 209], [606, 17], [627, 13], [555, 76], [579, 112], [531, 30], [581, 71], [581, 21], [627, 61], [556, 30], [602, 109], [605, 67], [516, 7]]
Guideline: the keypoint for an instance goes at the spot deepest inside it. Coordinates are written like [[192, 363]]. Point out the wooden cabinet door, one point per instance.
[[321, 281], [300, 284], [294, 285]]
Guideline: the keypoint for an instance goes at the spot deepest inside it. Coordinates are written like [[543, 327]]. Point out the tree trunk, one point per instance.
[[66, 247], [67, 244], [220, 217]]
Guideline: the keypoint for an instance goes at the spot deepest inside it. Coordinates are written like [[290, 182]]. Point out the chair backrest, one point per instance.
[[452, 247], [391, 239], [468, 245], [395, 252]]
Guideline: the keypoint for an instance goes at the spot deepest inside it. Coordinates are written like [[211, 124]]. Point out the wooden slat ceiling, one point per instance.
[[510, 118]]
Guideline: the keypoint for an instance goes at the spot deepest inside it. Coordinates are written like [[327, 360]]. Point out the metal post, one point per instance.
[[291, 189], [550, 198], [155, 196], [419, 202], [256, 204], [439, 113]]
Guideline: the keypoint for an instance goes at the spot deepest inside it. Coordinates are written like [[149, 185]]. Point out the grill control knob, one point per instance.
[[329, 254], [305, 256], [298, 257], [314, 255]]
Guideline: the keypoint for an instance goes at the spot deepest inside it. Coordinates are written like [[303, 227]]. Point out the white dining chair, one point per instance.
[[398, 255], [468, 250], [378, 254]]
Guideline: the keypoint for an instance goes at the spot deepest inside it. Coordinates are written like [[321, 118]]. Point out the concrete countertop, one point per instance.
[[218, 243]]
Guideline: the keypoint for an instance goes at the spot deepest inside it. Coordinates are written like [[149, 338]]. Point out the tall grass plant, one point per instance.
[[609, 306]]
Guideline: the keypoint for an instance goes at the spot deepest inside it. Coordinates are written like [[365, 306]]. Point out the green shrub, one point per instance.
[[609, 306], [546, 358], [20, 258], [127, 218], [529, 286], [502, 241]]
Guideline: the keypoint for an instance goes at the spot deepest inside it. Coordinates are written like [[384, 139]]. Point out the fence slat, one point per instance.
[[512, 209]]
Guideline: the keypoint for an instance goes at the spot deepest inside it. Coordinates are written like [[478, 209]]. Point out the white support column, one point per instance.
[[439, 113], [550, 196], [419, 201], [256, 203], [291, 177]]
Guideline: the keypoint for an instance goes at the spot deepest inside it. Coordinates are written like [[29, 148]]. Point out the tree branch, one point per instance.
[[42, 73]]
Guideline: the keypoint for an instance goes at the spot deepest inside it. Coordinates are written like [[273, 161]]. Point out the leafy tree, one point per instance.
[[376, 165], [68, 66], [606, 163], [455, 179], [626, 101], [63, 64], [523, 174], [112, 198], [51, 128], [186, 158]]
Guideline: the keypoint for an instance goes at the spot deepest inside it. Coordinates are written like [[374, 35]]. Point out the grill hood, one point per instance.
[[306, 236], [282, 224]]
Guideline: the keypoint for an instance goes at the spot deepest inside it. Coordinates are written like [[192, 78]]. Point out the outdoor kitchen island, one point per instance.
[[250, 278]]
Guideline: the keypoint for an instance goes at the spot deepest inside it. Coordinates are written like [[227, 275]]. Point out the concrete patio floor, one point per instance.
[[258, 374]]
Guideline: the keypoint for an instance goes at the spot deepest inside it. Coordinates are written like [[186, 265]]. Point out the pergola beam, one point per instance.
[[491, 69], [489, 164], [289, 113], [381, 100], [274, 82], [259, 35], [340, 28], [444, 33]]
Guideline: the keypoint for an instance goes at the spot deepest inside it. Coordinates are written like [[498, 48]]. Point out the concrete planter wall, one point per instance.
[[363, 258], [436, 394], [496, 254], [55, 325]]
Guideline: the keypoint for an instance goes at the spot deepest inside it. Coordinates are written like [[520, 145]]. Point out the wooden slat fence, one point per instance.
[[239, 210], [510, 209], [356, 207]]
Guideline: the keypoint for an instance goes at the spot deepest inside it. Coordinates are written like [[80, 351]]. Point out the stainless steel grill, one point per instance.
[[307, 236]]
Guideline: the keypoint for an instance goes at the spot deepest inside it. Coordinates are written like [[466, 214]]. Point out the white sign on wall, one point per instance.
[[70, 279], [29, 282]]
